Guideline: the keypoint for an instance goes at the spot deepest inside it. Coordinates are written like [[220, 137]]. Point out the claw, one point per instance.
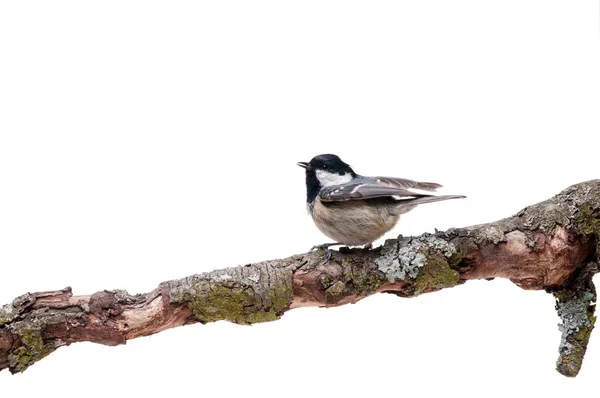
[[325, 247]]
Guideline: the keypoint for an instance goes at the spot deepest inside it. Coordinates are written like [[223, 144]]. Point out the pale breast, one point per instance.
[[354, 222]]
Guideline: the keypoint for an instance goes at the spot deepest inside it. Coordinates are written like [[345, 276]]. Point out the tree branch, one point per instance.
[[553, 245]]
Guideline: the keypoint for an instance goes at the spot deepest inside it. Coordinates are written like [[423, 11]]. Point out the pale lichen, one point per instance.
[[493, 234], [400, 259], [7, 314], [404, 258], [576, 312], [437, 244]]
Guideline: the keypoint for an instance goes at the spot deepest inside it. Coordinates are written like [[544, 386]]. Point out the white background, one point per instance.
[[146, 141]]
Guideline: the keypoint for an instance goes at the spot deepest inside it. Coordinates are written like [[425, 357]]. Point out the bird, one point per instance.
[[356, 210]]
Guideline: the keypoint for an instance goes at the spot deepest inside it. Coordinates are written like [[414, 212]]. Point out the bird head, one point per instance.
[[324, 171]]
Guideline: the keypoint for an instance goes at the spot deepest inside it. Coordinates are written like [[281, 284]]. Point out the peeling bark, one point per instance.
[[553, 245]]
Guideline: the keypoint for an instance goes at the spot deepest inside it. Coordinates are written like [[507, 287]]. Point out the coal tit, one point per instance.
[[356, 210]]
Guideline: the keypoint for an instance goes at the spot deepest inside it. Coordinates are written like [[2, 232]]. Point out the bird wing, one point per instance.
[[376, 187], [407, 184]]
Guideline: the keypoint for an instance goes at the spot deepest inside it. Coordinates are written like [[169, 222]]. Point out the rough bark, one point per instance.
[[553, 245]]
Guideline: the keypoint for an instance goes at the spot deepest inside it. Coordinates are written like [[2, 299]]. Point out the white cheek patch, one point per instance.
[[328, 179]]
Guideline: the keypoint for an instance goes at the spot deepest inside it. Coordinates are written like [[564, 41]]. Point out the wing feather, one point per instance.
[[407, 184], [377, 187], [364, 191]]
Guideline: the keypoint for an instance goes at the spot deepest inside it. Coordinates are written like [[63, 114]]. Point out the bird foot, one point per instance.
[[326, 248]]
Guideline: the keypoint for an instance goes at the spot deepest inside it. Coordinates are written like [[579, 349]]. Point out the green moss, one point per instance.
[[587, 221], [280, 299], [363, 279], [369, 283], [436, 274], [32, 350], [335, 291], [236, 303], [326, 281], [455, 259], [350, 277]]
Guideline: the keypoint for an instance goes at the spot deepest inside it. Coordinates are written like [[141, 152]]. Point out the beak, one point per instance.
[[303, 165]]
